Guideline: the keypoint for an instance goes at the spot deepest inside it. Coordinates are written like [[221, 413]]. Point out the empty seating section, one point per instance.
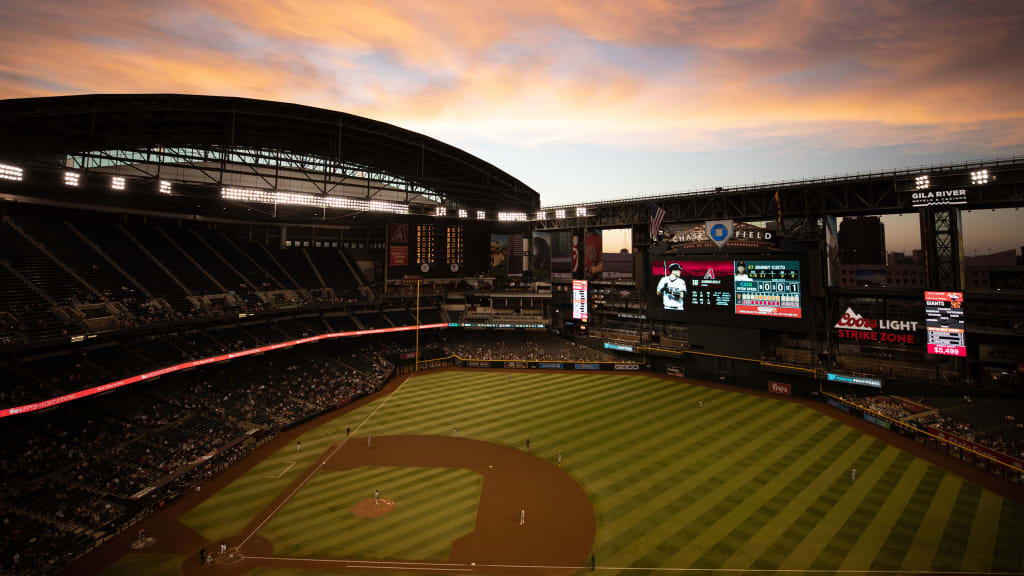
[[39, 269], [341, 323], [373, 320], [213, 265], [77, 255], [259, 255], [116, 244], [334, 270], [159, 350], [238, 259], [32, 311], [173, 259], [294, 261], [120, 361]]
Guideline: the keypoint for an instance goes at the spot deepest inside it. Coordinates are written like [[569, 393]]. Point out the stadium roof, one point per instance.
[[276, 144]]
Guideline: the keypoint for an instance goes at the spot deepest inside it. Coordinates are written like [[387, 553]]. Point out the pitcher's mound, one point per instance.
[[367, 509]]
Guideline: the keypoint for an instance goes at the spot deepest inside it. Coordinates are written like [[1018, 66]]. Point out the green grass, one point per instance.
[[434, 507], [745, 482], [146, 563]]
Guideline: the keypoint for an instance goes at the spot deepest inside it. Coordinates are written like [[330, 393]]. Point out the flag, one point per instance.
[[657, 215], [776, 207]]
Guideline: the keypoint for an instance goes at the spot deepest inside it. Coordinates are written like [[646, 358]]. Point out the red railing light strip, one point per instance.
[[42, 405]]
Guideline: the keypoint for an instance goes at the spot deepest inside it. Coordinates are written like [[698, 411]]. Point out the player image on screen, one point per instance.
[[672, 288], [741, 272]]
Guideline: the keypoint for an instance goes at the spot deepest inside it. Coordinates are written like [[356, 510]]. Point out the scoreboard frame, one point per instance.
[[726, 314]]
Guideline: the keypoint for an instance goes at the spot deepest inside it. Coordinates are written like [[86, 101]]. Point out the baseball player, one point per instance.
[[376, 497], [527, 443], [298, 446], [700, 403], [455, 433], [223, 547], [853, 474], [672, 288], [369, 441], [559, 459], [522, 517]]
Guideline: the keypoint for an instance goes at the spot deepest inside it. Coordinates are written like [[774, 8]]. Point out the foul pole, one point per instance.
[[416, 367]]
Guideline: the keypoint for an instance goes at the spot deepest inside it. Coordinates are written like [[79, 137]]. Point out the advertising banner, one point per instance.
[[780, 388], [878, 421], [853, 326], [588, 366], [592, 260], [677, 371], [516, 365], [541, 260], [398, 255], [837, 404], [628, 367], [549, 365], [848, 379], [499, 262], [399, 234], [965, 443]]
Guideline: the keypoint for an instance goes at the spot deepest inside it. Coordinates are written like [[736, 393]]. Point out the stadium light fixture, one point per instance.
[[463, 213], [315, 201], [165, 187], [72, 178], [559, 214], [512, 217], [480, 215], [542, 215], [117, 183], [581, 211], [922, 182], [8, 172], [979, 177], [440, 211]]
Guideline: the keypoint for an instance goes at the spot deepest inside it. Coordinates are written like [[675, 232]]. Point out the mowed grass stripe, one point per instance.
[[828, 543], [926, 541], [884, 517], [712, 499], [786, 460], [718, 541], [742, 545], [901, 536], [622, 495], [813, 511], [958, 529], [1009, 554], [982, 541], [678, 494]]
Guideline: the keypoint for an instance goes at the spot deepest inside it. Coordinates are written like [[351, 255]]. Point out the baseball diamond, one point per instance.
[[649, 482]]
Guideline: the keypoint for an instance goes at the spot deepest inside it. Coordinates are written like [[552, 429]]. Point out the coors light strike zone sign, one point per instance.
[[853, 326]]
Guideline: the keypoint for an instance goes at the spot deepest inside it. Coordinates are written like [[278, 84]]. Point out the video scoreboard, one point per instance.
[[762, 288], [768, 289], [944, 319]]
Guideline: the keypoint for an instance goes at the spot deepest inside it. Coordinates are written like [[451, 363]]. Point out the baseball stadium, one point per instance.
[[247, 337]]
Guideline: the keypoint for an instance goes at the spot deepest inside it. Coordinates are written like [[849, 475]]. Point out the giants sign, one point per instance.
[[780, 388], [853, 326]]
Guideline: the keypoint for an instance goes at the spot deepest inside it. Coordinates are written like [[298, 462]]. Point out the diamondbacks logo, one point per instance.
[[710, 274]]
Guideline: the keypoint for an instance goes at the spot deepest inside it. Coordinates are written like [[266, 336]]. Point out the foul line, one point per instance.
[[321, 465], [441, 566], [283, 472]]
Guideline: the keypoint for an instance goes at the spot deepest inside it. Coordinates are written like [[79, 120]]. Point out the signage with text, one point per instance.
[[780, 388], [579, 300], [944, 319], [850, 379]]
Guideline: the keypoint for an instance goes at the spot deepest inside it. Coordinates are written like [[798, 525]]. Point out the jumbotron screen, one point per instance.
[[721, 290]]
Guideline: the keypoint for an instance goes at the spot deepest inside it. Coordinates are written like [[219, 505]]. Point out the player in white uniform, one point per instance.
[[672, 288], [522, 517], [853, 474]]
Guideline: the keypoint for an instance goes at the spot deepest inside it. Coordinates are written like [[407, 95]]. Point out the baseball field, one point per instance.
[[649, 482]]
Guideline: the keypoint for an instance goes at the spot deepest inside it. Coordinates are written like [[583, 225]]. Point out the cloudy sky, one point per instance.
[[580, 100]]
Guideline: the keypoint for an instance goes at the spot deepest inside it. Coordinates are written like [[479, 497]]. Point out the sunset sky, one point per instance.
[[580, 100]]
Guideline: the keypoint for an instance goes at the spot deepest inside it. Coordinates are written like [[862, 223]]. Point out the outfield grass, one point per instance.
[[146, 563], [434, 507], [744, 482]]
